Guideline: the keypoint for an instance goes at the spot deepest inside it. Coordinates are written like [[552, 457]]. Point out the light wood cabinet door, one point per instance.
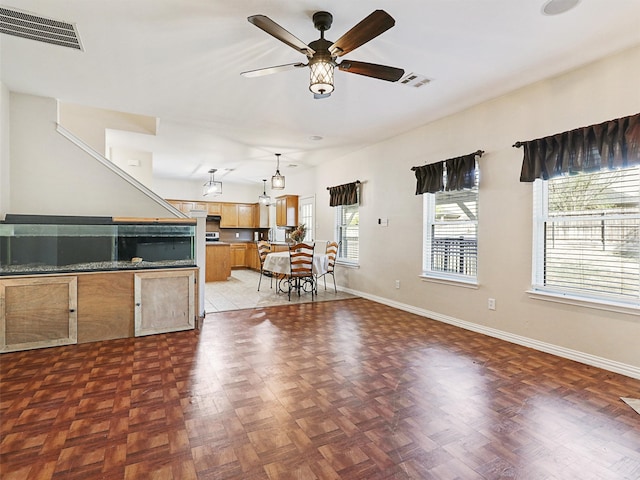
[[186, 207], [214, 208], [164, 302], [218, 263], [229, 215], [253, 261], [238, 255], [287, 211], [38, 312], [245, 216]]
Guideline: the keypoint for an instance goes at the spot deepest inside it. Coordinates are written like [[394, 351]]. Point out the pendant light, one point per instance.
[[212, 187], [277, 181], [264, 199]]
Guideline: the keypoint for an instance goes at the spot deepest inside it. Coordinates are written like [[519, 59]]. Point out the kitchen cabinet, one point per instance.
[[252, 259], [38, 312], [229, 214], [238, 255], [218, 262], [279, 247], [214, 208], [245, 216], [186, 207], [287, 211], [237, 215]]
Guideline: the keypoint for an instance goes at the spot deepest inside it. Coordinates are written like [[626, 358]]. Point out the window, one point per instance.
[[586, 235], [347, 232], [450, 236]]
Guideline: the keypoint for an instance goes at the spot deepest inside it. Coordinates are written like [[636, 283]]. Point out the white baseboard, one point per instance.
[[586, 358]]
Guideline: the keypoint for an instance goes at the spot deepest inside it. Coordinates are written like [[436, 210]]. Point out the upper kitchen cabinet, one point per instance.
[[186, 207], [287, 211], [214, 208], [229, 214], [236, 215]]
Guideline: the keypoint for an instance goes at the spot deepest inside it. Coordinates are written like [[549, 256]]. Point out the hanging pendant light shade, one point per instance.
[[212, 187], [264, 199], [277, 181]]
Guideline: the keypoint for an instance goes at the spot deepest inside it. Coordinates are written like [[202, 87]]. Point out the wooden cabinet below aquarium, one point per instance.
[[50, 310]]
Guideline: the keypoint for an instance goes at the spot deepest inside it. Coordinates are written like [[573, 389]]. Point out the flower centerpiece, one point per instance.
[[297, 235]]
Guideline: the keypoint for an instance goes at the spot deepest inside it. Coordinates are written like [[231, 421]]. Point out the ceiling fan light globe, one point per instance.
[[321, 77]]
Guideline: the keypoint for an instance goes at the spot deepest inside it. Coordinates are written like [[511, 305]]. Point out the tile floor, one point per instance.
[[241, 291]]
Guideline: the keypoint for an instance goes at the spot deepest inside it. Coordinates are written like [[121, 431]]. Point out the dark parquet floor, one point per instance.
[[333, 390]]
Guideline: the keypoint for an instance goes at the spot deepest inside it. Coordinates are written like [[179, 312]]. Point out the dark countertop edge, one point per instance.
[[65, 272]]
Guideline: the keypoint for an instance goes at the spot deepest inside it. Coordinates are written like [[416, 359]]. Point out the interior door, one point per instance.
[[306, 215]]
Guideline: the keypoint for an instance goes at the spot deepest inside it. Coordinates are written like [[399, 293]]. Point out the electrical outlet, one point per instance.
[[491, 304], [397, 283], [237, 235]]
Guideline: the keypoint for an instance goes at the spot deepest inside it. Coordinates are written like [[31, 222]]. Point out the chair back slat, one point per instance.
[[301, 258], [332, 254], [264, 249]]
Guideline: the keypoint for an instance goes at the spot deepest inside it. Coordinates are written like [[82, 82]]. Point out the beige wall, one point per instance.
[[598, 92], [51, 175], [90, 123], [232, 192], [604, 90], [136, 163]]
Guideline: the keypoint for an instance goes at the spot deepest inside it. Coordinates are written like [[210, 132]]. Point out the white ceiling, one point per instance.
[[180, 61]]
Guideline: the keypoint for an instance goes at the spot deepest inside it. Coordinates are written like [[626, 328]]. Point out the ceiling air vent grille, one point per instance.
[[414, 80], [25, 25]]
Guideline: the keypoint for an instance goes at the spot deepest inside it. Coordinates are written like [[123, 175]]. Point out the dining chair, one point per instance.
[[264, 248], [301, 263], [332, 254]]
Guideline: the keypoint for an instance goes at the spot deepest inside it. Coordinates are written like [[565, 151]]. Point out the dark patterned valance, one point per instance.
[[429, 178], [609, 145], [346, 194], [461, 174]]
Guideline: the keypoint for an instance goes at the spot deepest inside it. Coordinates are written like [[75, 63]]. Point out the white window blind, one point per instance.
[[348, 232], [587, 240], [450, 246]]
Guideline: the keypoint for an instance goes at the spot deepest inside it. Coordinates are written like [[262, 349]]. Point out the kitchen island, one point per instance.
[[218, 261]]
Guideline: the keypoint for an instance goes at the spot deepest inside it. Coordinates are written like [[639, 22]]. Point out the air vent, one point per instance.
[[25, 25], [414, 80]]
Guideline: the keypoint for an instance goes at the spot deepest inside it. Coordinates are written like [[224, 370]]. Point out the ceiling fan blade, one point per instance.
[[272, 28], [382, 72], [318, 96], [369, 28], [269, 70]]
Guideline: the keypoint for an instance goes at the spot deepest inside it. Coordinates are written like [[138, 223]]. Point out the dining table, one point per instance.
[[279, 264]]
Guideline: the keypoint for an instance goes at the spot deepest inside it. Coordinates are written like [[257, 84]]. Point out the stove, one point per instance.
[[211, 237]]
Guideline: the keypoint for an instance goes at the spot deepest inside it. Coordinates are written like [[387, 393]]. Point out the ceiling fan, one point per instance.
[[322, 53]]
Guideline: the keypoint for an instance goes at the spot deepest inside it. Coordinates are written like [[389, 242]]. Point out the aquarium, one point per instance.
[[51, 244]]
